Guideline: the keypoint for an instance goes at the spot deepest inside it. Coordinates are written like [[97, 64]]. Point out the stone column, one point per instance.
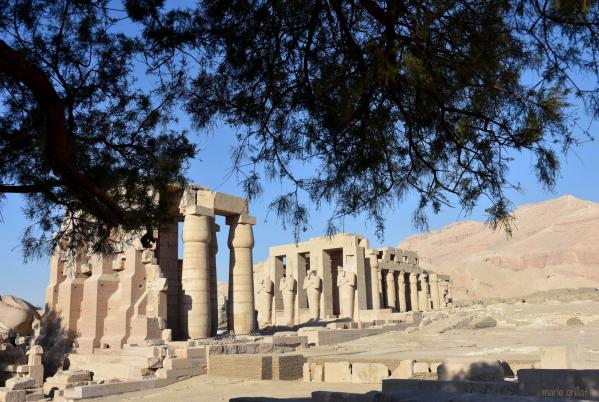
[[195, 276], [346, 281], [414, 292], [312, 285], [423, 302], [287, 286], [435, 291], [241, 242], [374, 279], [213, 281], [401, 291], [390, 281]]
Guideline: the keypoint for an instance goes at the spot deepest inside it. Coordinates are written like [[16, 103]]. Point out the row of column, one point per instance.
[[198, 301], [397, 290]]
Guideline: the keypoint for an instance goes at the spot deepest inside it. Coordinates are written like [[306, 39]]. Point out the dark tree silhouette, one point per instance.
[[386, 97], [381, 98], [78, 136]]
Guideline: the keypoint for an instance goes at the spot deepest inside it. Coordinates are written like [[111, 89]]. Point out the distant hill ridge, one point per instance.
[[555, 244]]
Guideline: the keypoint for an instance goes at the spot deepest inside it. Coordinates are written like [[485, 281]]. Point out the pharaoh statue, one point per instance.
[[287, 286], [312, 286], [346, 281], [264, 291]]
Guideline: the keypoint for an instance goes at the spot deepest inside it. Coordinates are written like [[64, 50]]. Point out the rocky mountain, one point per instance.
[[555, 244]]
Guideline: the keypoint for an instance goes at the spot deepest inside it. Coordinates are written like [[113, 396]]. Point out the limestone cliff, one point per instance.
[[555, 244]]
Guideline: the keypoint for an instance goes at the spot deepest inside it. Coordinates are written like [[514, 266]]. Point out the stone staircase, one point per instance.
[[138, 362]]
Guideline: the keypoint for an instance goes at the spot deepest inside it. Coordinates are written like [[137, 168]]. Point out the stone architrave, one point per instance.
[[414, 292], [391, 297], [265, 293], [312, 285], [346, 281], [435, 291], [423, 302], [287, 287], [401, 291]]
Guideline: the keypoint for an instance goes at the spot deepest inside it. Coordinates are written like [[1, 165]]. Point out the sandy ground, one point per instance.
[[522, 330], [209, 388]]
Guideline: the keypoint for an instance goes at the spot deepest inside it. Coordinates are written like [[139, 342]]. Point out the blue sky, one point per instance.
[[578, 177], [212, 166]]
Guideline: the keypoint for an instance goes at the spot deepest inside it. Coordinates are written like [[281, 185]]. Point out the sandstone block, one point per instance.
[[337, 372], [369, 373], [404, 370], [316, 372], [287, 367], [557, 357], [10, 395], [20, 383], [421, 367], [176, 363], [483, 322]]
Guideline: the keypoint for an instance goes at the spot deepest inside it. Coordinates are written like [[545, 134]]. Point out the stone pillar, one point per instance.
[[374, 280], [241, 285], [312, 285], [287, 286], [423, 302], [435, 291], [195, 276], [401, 291], [414, 292], [213, 280], [390, 282], [444, 293], [265, 293], [346, 281]]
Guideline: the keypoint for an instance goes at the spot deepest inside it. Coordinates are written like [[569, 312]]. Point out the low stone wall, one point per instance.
[[284, 367]]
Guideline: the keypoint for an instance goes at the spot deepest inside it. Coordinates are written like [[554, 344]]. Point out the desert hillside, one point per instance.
[[555, 244]]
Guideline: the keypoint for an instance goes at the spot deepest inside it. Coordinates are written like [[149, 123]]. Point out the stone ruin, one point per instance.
[[146, 295], [21, 368], [341, 277]]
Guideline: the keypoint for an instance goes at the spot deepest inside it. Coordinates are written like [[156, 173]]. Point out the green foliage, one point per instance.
[[385, 98], [380, 98], [113, 153]]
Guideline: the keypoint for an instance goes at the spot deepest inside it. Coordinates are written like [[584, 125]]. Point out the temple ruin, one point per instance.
[[341, 277], [147, 293]]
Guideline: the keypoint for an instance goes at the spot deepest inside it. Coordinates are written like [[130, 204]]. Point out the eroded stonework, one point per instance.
[[341, 277], [146, 294]]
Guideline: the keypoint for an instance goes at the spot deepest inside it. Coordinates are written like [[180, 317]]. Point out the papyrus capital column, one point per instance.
[[414, 292], [435, 291], [401, 291], [241, 282], [195, 275]]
